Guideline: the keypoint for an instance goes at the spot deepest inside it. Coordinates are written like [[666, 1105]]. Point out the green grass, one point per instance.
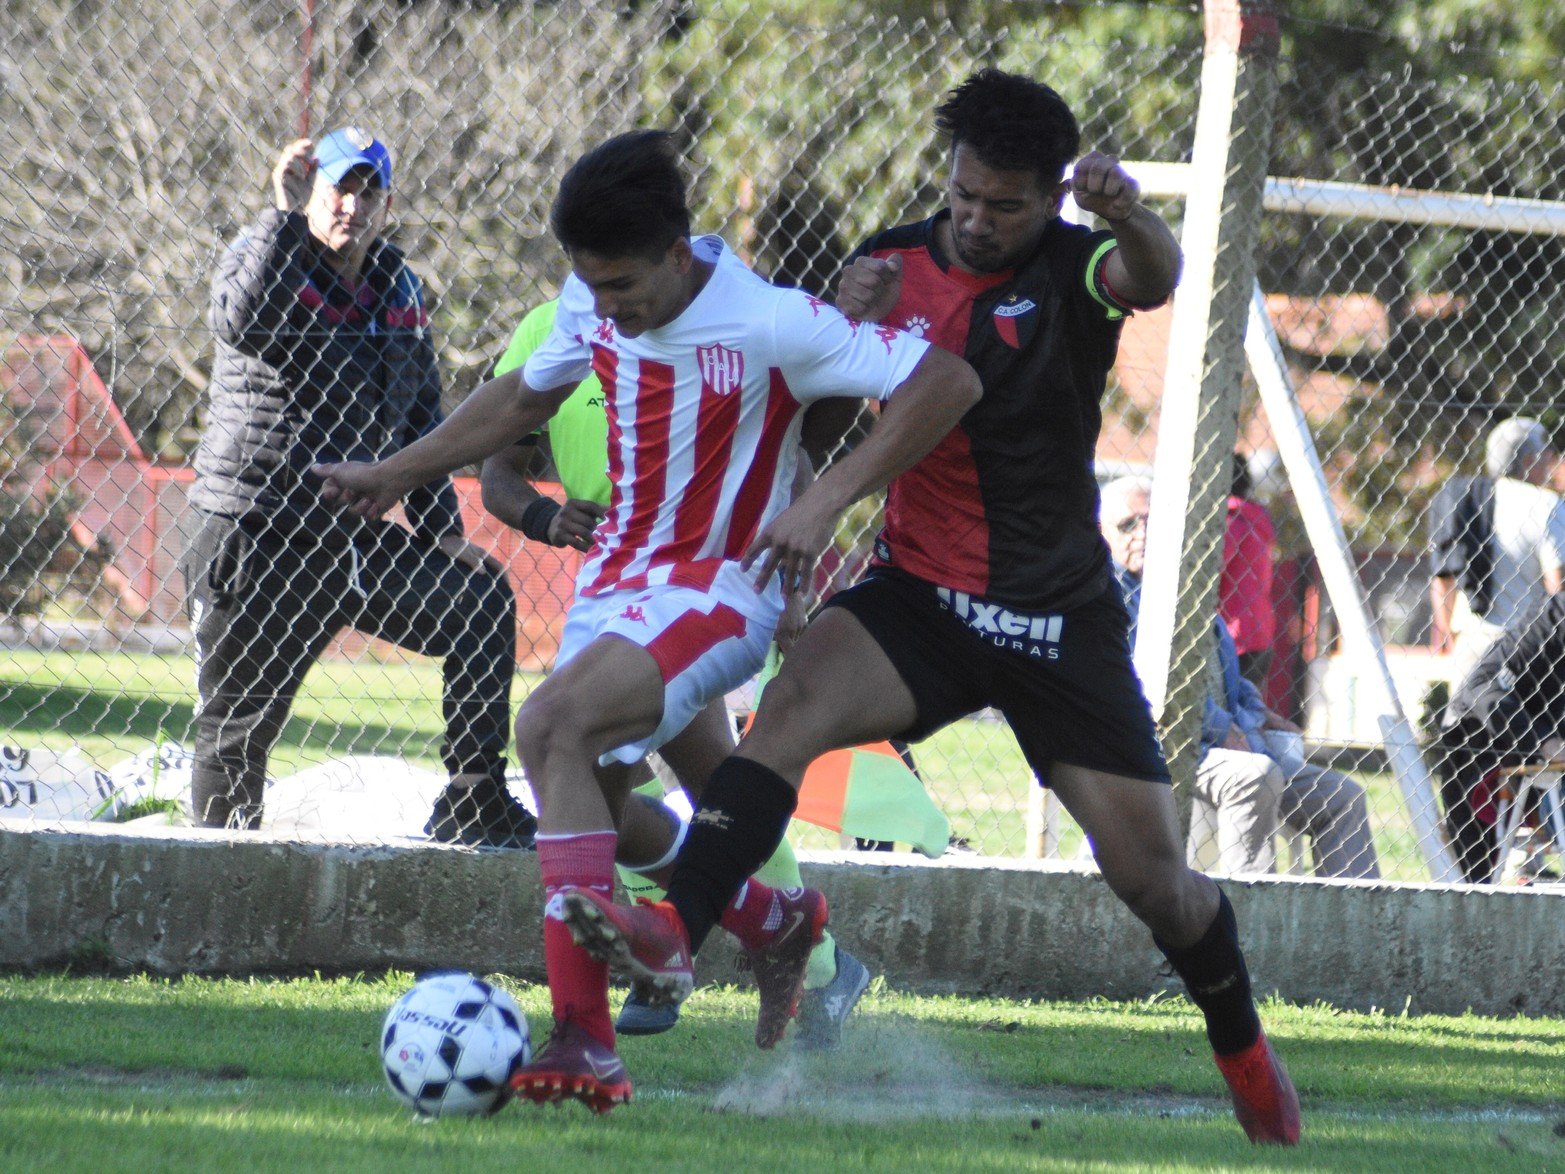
[[148, 1074], [114, 704]]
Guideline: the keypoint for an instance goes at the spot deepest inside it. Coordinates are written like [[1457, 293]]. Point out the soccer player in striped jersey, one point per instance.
[[706, 370], [651, 832]]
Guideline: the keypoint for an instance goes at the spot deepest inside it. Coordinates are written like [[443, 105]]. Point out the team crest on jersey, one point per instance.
[[722, 369], [1014, 321]]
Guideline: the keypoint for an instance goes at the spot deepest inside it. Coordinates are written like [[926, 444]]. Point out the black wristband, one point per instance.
[[538, 517]]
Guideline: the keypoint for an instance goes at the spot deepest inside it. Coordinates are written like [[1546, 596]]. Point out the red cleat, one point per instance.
[[573, 1065], [779, 965], [1264, 1098], [646, 941]]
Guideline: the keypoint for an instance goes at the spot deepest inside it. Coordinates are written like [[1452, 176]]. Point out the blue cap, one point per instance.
[[341, 151]]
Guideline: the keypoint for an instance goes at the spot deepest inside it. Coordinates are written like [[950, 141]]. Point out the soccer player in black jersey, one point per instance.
[[992, 584]]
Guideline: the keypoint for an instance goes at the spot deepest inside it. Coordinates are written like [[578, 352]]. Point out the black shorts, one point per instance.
[[1065, 682]]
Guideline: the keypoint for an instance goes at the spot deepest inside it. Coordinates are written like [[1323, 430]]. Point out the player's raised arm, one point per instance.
[[919, 413], [498, 414], [1145, 267]]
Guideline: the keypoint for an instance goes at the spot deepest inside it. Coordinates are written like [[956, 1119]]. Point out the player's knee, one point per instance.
[[796, 705], [786, 730], [542, 726], [1154, 886]]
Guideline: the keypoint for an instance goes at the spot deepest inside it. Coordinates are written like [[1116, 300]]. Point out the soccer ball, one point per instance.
[[450, 1044]]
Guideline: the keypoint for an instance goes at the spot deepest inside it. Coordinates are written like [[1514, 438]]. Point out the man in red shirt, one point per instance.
[[1244, 593]]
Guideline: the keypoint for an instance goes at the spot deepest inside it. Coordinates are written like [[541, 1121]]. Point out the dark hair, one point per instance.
[[1011, 123], [623, 198], [1241, 485]]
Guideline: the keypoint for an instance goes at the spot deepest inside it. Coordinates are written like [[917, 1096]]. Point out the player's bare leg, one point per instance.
[[609, 695], [1134, 829], [763, 909], [835, 689]]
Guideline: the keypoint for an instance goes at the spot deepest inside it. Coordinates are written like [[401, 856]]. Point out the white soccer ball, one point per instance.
[[451, 1043]]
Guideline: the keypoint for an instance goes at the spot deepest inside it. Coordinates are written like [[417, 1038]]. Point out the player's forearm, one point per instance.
[[495, 416], [506, 490], [1148, 261], [928, 404], [827, 426]]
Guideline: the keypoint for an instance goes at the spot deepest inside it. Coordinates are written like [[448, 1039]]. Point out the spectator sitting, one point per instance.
[[1250, 787], [1508, 709], [1244, 592], [1497, 543]]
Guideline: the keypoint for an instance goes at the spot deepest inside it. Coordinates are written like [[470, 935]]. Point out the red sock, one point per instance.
[[578, 983], [753, 915]]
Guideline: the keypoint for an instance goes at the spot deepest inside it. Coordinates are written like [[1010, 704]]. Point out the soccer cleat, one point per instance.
[[823, 1012], [1264, 1098], [779, 965], [639, 1017], [646, 941], [485, 815], [573, 1065]]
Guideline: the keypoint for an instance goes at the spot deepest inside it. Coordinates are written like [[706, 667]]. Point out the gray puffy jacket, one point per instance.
[[303, 374]]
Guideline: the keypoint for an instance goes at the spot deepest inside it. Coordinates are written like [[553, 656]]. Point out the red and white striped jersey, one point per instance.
[[704, 417]]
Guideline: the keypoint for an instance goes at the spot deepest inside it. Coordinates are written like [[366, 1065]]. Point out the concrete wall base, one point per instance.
[[193, 901]]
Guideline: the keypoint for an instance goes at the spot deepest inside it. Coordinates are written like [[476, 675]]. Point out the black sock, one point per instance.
[[738, 824], [1218, 983]]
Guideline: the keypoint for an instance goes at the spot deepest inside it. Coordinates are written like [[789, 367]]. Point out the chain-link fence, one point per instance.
[[139, 143]]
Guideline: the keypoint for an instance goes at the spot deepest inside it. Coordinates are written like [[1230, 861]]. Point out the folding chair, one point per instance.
[[1517, 786]]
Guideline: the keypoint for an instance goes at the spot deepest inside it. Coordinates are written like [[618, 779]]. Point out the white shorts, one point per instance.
[[703, 647]]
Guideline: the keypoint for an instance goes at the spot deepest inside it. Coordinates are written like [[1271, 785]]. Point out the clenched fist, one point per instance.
[[870, 288], [1101, 186]]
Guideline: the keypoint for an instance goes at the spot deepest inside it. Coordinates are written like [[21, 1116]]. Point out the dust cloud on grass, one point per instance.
[[891, 1069], [887, 1069]]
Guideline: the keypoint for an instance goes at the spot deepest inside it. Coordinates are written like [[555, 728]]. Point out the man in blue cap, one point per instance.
[[324, 354]]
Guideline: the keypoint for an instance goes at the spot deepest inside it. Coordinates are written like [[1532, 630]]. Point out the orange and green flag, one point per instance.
[[868, 792]]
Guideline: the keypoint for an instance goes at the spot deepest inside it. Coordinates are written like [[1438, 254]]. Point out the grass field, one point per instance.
[[111, 705], [147, 1074]]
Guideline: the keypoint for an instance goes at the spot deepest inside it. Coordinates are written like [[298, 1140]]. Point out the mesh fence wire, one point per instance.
[[138, 143]]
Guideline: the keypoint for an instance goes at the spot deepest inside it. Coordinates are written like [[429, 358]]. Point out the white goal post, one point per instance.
[[1361, 633]]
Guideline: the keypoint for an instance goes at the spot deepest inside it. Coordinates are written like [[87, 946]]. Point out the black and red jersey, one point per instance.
[[1006, 506]]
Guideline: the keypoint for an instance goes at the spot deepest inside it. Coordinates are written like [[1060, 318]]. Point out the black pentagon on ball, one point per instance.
[[396, 1082], [433, 1090], [479, 1084], [507, 1018], [468, 1010], [481, 985], [450, 1051], [391, 1034]]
